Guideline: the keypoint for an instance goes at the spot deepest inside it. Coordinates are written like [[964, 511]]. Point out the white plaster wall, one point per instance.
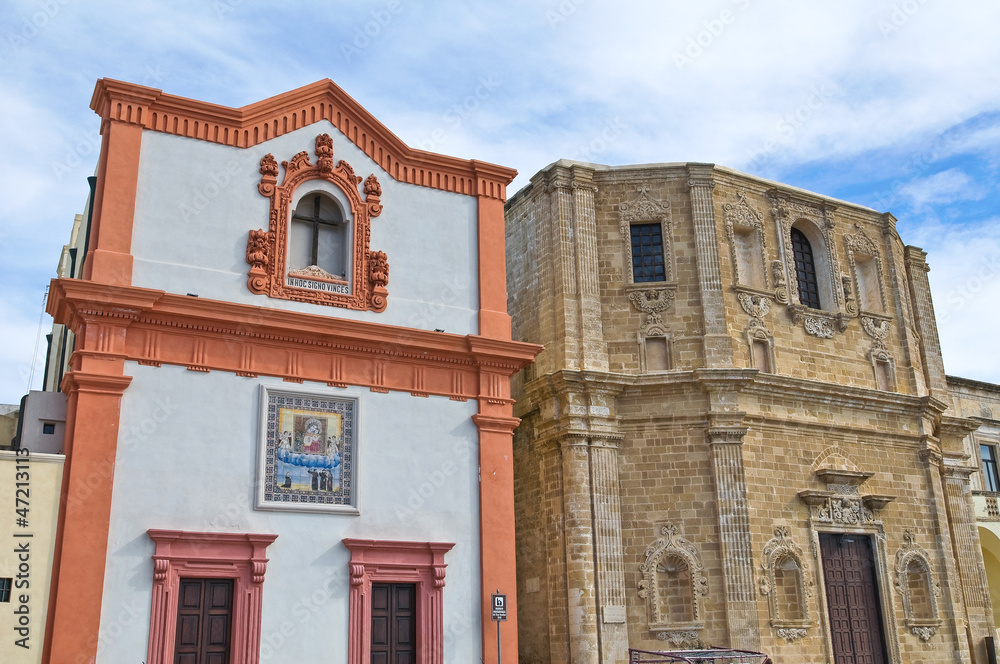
[[187, 454], [196, 202]]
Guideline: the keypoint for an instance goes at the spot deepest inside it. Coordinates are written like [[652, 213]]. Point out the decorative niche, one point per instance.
[[747, 244], [786, 585], [918, 588], [866, 271], [674, 584], [316, 248]]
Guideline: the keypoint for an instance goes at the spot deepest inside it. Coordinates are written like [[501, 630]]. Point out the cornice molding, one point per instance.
[[253, 124], [211, 335]]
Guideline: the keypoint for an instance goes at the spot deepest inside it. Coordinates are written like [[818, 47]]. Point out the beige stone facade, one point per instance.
[[692, 447]]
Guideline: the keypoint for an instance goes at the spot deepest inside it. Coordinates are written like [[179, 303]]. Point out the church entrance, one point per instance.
[[852, 599]]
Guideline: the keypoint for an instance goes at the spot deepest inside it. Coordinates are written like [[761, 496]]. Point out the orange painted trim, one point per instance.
[[251, 125], [109, 258], [210, 335], [237, 556], [493, 318], [80, 551], [498, 569]]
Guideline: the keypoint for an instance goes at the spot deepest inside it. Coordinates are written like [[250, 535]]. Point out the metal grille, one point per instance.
[[647, 253], [805, 270]]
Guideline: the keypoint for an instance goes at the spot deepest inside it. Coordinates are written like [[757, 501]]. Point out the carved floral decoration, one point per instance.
[[267, 251]]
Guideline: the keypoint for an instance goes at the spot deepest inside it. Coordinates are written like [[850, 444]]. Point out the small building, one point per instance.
[[740, 432], [286, 355]]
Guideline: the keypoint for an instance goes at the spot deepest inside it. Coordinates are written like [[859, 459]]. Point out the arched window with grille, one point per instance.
[[805, 270]]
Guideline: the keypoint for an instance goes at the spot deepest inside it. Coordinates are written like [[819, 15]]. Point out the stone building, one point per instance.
[[740, 432], [288, 418]]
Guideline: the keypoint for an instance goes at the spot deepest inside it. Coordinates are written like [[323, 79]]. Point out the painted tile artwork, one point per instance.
[[307, 455]]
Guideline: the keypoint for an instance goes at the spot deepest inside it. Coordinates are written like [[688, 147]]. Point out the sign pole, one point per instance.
[[498, 615]]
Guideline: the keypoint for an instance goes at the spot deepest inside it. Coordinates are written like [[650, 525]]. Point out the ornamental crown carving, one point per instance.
[[861, 243], [741, 213], [643, 207], [364, 286]]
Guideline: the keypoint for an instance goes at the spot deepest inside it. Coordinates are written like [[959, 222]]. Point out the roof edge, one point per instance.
[[269, 118]]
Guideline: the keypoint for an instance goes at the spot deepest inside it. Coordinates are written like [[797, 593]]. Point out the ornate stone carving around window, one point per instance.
[[364, 287], [918, 588], [675, 610], [644, 209]]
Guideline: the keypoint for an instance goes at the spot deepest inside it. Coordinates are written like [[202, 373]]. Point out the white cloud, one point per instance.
[[942, 187]]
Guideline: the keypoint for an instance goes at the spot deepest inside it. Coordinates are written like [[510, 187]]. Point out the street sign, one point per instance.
[[499, 607]]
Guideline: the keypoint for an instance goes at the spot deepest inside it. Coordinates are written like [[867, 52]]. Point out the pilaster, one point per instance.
[[717, 343], [950, 578], [923, 314], [726, 444]]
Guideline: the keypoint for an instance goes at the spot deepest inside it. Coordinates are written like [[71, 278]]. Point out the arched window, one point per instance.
[[805, 270], [318, 237]]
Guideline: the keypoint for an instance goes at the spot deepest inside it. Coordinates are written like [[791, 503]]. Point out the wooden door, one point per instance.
[[852, 599], [204, 621], [394, 623]]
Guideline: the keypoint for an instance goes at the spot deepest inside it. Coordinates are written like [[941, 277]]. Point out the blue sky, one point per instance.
[[894, 105]]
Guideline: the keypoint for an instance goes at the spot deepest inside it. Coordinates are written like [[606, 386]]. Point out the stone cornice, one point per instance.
[[208, 335]]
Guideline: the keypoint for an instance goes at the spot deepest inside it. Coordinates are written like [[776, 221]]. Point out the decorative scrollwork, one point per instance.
[[324, 153], [373, 192], [792, 634], [819, 327], [652, 302]]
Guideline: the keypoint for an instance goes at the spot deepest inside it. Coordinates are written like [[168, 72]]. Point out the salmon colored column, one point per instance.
[[99, 316], [496, 531], [82, 536], [109, 258], [493, 319]]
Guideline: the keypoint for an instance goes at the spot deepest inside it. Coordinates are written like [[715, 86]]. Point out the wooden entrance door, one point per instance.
[[394, 623], [852, 599], [204, 621]]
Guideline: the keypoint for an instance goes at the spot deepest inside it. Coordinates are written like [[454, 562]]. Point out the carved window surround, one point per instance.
[[385, 561], [643, 209], [237, 556], [842, 509], [912, 554], [743, 216], [779, 548], [680, 634], [267, 251], [789, 210], [757, 304]]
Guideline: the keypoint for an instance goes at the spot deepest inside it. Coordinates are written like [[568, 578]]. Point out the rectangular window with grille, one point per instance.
[[647, 253], [5, 586], [991, 480]]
